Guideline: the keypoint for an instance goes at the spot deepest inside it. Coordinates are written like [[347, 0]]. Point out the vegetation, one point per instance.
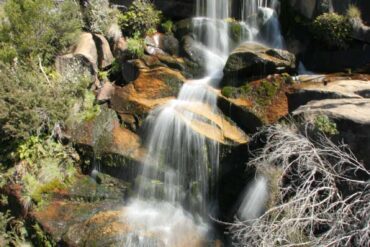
[[135, 46], [353, 12], [47, 166], [325, 125], [32, 29], [142, 16], [318, 183], [99, 16], [32, 103], [167, 26], [333, 30]]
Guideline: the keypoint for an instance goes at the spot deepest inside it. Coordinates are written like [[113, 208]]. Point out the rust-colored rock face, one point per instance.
[[153, 87]]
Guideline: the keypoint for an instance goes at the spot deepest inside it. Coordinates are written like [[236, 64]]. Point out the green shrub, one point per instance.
[[353, 12], [167, 26], [99, 16], [135, 47], [31, 105], [39, 28], [140, 17], [333, 30], [325, 125]]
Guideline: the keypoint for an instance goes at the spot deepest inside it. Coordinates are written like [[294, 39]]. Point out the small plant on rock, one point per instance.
[[325, 125]]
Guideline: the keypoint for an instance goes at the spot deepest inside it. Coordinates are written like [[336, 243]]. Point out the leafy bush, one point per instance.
[[353, 12], [140, 17], [333, 30], [30, 104], [39, 28], [135, 47], [99, 16]]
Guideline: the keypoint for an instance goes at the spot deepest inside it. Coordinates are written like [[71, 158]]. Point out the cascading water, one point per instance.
[[261, 22], [181, 166], [254, 200]]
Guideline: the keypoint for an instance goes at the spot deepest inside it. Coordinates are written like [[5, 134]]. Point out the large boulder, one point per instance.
[[320, 87], [91, 53], [159, 44], [103, 139], [256, 60], [105, 56], [352, 118], [343, 100], [149, 87]]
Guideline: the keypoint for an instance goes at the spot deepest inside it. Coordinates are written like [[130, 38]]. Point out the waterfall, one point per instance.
[[262, 21], [254, 199], [181, 166]]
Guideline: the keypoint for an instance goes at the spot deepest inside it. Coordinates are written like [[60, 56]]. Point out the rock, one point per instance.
[[240, 113], [352, 118], [130, 71], [321, 61], [91, 52], [86, 47], [161, 44], [153, 87], [212, 125], [83, 59], [325, 89], [120, 47], [255, 60], [103, 140], [193, 51], [113, 228], [105, 93], [304, 7], [345, 101], [360, 30], [105, 56]]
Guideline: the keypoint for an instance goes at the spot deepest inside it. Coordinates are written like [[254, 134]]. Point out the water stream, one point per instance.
[[177, 185]]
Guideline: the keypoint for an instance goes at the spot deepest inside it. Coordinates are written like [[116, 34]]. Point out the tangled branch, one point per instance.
[[320, 198]]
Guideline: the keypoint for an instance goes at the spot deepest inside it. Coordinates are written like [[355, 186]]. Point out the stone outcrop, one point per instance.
[[256, 60], [161, 44], [152, 87], [346, 102], [324, 89], [91, 53], [210, 124]]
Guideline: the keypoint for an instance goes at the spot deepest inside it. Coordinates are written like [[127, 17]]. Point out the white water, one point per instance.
[[177, 184], [181, 167], [262, 22], [254, 199]]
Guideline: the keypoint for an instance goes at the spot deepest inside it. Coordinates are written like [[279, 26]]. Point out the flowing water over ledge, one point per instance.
[[177, 185]]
